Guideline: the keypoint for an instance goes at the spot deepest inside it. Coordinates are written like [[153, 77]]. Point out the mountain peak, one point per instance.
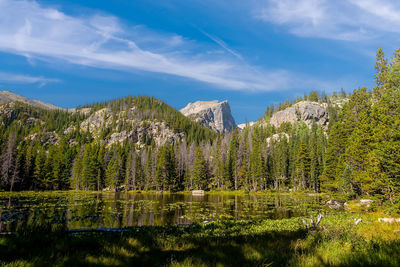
[[212, 114]]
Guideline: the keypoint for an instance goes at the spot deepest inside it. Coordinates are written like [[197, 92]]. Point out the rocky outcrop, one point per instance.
[[45, 138], [141, 132], [158, 132], [277, 137], [7, 97], [212, 114], [335, 204], [244, 125], [306, 111]]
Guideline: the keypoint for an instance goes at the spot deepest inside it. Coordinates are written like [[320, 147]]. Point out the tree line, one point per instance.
[[357, 154]]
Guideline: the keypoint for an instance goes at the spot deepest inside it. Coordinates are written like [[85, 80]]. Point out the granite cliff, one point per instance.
[[306, 111], [212, 114]]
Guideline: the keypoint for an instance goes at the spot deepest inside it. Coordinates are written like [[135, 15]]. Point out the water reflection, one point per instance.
[[99, 210]]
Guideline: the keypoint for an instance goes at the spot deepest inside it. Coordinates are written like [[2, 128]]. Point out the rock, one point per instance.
[[389, 220], [198, 192], [116, 189], [335, 204], [276, 137], [98, 120], [83, 111], [7, 97], [141, 133], [366, 202], [306, 111], [244, 125], [120, 188], [8, 111], [45, 138], [212, 114]]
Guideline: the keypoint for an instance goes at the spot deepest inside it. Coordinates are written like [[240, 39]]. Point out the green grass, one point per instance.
[[336, 242]]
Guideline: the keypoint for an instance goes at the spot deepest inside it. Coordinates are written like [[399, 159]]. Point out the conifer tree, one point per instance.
[[39, 171], [302, 168], [199, 172], [165, 175], [381, 75]]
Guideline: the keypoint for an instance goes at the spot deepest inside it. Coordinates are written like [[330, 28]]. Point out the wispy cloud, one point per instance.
[[41, 33], [350, 20], [223, 45], [25, 79]]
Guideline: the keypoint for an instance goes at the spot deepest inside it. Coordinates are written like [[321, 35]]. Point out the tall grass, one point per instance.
[[336, 242]]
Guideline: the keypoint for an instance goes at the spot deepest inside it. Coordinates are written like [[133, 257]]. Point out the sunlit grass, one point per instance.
[[336, 242]]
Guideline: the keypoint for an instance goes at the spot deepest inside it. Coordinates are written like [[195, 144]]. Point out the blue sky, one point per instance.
[[252, 53]]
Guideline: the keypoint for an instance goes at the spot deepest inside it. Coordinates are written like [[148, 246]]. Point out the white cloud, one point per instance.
[[28, 29], [41, 33], [25, 79], [350, 20]]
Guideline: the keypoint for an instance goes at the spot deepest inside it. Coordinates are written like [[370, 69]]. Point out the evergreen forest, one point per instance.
[[357, 153]]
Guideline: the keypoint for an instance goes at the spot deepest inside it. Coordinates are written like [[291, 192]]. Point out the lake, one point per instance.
[[108, 210]]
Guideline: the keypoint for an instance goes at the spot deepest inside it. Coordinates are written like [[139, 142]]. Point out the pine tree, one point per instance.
[[114, 172], [165, 175], [199, 173], [218, 170], [90, 167], [39, 171], [280, 161], [76, 182], [381, 76], [302, 168], [48, 181]]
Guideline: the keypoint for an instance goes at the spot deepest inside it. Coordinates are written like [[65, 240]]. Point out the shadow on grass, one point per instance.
[[210, 245]]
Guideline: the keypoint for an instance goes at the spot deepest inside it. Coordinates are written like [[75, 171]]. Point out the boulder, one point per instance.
[[198, 193], [366, 202], [335, 204], [389, 220]]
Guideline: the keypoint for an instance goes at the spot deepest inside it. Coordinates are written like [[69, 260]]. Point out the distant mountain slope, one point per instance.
[[7, 97], [212, 114], [140, 120]]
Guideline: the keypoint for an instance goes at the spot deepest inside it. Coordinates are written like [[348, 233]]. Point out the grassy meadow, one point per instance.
[[337, 241]]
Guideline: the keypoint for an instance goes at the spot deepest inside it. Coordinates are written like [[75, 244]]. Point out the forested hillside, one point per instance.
[[140, 143]]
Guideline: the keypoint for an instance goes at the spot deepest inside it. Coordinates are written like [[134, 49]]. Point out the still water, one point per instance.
[[99, 210]]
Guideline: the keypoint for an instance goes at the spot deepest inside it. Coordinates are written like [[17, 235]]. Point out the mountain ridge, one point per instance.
[[8, 96]]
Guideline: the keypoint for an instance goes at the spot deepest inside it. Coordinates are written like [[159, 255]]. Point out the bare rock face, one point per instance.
[[306, 111], [213, 114], [277, 137], [141, 131], [47, 138], [244, 125], [7, 97]]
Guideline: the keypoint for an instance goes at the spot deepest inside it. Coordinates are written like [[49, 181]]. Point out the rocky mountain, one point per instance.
[[140, 120], [7, 97], [127, 125], [306, 111], [212, 114]]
